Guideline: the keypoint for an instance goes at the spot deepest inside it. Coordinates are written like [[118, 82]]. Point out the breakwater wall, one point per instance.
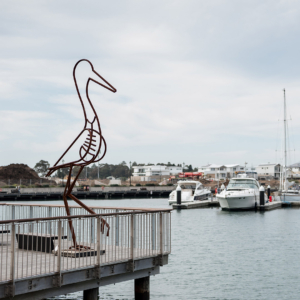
[[93, 193]]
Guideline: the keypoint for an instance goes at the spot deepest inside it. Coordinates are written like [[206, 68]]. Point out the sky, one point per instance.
[[197, 81]]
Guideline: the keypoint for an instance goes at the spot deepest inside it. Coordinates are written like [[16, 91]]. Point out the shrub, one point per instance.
[[150, 184], [138, 184], [113, 185], [169, 184]]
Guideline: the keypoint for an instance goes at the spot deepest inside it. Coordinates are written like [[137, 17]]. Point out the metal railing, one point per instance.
[[41, 246], [11, 211]]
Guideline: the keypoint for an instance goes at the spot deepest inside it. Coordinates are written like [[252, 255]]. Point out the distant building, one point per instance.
[[154, 172], [295, 168], [221, 171], [269, 170]]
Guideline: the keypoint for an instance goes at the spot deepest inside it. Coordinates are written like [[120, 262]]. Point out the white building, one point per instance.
[[221, 171], [269, 170], [295, 168], [154, 172]]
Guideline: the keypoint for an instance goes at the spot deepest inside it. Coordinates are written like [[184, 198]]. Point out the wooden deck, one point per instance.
[[30, 263]]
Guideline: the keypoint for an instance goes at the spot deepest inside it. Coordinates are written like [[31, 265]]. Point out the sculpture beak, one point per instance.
[[108, 86]]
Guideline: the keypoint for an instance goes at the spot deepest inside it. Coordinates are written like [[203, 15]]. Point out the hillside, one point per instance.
[[14, 172]]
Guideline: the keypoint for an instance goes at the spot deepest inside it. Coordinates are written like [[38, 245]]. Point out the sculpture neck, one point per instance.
[[87, 106]]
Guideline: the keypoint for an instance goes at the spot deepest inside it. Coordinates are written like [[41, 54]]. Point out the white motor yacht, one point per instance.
[[241, 193], [190, 191]]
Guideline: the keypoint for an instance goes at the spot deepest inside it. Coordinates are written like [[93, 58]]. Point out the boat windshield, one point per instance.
[[188, 186], [244, 184]]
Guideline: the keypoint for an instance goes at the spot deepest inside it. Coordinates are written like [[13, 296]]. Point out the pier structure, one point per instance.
[[37, 260], [57, 194]]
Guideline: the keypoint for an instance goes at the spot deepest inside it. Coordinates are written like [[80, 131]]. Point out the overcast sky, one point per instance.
[[198, 81]]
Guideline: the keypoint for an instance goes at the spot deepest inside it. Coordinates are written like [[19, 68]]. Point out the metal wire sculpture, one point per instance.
[[88, 151]]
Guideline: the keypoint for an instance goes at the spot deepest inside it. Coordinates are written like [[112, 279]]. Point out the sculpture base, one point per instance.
[[82, 253]]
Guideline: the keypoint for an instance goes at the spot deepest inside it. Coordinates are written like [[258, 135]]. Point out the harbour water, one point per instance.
[[220, 255]]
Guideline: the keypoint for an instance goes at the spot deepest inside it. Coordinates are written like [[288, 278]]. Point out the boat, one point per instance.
[[289, 195], [241, 193], [285, 194], [190, 191]]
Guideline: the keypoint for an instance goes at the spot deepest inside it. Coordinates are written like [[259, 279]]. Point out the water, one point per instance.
[[220, 255]]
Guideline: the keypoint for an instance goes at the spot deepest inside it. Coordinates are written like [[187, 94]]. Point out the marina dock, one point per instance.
[[214, 203], [196, 204], [270, 205], [36, 260]]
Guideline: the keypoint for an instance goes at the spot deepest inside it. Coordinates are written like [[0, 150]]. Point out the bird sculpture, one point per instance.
[[89, 150]]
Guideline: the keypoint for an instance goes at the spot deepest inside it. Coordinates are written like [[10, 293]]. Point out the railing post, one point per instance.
[[117, 228], [153, 230], [12, 257], [59, 251], [69, 230], [134, 231], [92, 229], [13, 212], [30, 217], [30, 212], [161, 233], [132, 236], [98, 245], [49, 215]]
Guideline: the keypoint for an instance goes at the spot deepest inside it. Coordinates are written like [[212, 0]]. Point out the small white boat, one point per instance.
[[190, 191], [290, 195], [241, 193]]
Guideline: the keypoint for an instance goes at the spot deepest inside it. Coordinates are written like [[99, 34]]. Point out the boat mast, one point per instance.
[[285, 154]]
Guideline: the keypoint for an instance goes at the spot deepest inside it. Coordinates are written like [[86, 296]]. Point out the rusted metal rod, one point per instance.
[[89, 150]]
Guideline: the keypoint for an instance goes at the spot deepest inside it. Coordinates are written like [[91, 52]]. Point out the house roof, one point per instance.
[[216, 166], [297, 165], [219, 166], [269, 165]]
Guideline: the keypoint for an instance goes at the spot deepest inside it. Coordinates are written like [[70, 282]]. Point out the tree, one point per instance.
[[61, 173], [42, 167], [134, 164]]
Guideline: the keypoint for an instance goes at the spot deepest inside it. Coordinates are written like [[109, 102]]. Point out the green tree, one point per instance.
[[42, 167], [61, 173]]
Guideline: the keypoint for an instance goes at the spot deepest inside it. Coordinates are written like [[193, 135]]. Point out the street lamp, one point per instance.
[[130, 173], [160, 172], [98, 166], [62, 180]]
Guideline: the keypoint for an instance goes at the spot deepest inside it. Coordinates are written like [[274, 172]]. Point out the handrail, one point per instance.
[[86, 216], [77, 206]]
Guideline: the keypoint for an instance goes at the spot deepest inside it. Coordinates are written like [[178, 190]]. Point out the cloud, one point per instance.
[[197, 81]]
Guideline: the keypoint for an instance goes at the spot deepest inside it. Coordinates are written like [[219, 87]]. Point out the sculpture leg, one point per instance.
[[68, 209], [69, 194]]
